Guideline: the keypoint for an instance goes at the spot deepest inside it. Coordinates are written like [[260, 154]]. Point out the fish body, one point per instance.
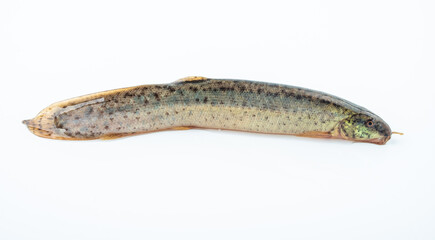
[[198, 102]]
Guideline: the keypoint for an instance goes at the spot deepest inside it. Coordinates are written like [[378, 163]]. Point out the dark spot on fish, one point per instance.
[[336, 105], [167, 114], [69, 134], [156, 95], [197, 99], [288, 94], [324, 101], [106, 127], [89, 111], [205, 100]]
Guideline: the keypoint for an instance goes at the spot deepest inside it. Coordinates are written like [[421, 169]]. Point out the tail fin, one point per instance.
[[41, 126]]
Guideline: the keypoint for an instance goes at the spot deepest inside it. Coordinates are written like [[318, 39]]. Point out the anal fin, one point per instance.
[[114, 136], [181, 128]]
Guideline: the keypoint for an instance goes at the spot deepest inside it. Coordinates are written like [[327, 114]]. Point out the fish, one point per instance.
[[206, 103]]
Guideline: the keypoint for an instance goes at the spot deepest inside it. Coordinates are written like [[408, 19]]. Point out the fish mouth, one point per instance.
[[379, 141]]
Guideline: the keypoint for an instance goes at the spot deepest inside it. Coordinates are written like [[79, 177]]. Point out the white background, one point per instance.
[[205, 184]]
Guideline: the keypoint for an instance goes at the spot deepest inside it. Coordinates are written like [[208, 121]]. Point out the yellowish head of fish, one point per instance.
[[365, 128]]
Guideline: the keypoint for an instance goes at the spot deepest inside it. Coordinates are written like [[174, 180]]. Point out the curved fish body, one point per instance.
[[198, 102]]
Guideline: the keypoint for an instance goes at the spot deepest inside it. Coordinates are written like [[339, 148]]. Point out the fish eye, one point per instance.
[[369, 123]]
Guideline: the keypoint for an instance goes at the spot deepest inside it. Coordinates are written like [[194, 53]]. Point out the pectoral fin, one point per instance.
[[316, 134]]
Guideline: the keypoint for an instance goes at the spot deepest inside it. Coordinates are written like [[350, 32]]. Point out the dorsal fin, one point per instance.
[[192, 79]]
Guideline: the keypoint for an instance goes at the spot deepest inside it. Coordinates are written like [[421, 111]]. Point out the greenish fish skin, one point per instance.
[[198, 102]]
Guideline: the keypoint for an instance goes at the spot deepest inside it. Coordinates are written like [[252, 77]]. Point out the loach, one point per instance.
[[199, 102]]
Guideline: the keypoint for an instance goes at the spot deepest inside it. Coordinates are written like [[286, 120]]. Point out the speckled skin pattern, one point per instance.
[[198, 102]]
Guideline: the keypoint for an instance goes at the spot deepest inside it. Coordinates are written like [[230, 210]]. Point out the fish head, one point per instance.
[[365, 127]]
